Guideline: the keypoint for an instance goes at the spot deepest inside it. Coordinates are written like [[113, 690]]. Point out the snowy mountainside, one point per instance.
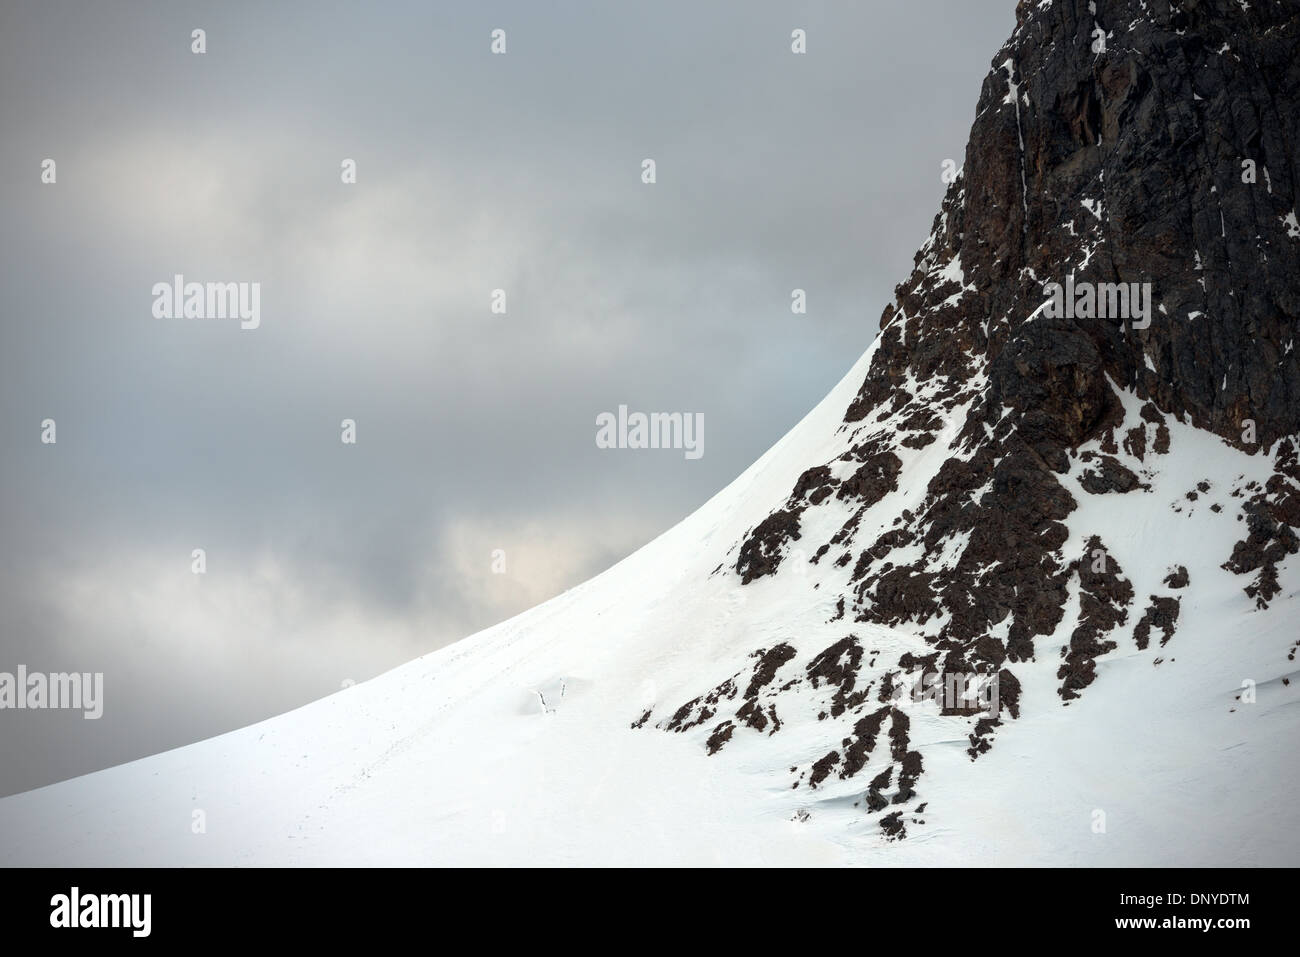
[[451, 759], [1095, 510]]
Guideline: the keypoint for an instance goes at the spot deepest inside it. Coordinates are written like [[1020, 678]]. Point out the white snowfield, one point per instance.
[[515, 746]]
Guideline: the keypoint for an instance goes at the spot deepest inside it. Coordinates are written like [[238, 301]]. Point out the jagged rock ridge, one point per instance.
[[1126, 142]]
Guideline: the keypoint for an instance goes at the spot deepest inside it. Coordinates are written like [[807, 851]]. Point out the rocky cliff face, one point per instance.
[[1119, 254]]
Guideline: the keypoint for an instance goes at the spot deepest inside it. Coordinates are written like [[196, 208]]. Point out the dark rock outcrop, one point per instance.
[[1123, 235]]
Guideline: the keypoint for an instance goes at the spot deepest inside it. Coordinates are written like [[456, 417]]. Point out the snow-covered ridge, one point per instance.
[[1081, 508], [452, 759]]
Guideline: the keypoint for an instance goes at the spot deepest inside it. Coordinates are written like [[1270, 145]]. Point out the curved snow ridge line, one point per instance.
[[305, 770]]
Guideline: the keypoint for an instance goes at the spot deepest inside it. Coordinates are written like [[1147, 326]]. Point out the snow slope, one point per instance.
[[724, 694], [515, 746]]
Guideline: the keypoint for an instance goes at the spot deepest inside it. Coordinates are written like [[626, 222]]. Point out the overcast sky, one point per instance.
[[475, 431]]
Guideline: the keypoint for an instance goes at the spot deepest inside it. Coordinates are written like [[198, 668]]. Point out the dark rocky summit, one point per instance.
[[1137, 142]]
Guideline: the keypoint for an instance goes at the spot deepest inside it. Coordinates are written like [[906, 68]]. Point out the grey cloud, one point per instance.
[[475, 431]]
